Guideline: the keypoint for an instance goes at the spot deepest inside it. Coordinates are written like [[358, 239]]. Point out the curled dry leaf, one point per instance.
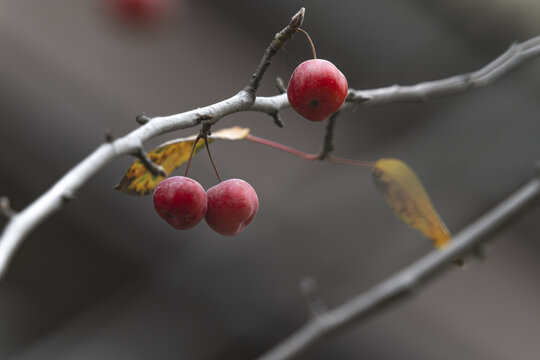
[[408, 199], [170, 155]]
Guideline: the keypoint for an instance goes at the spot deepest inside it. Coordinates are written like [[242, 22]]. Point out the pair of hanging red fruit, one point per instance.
[[227, 207]]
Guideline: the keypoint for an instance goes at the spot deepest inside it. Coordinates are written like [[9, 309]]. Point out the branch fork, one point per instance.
[[142, 119]]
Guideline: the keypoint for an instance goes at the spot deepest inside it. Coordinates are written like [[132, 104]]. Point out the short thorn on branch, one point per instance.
[[277, 119], [148, 163], [69, 196], [109, 136], [282, 89], [280, 86], [5, 208], [356, 98], [142, 119], [328, 145], [312, 295]]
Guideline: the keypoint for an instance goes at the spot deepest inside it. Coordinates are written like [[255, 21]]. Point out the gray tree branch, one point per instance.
[[407, 281], [426, 91], [22, 223]]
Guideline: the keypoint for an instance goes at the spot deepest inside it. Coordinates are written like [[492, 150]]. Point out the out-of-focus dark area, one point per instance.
[[106, 278]]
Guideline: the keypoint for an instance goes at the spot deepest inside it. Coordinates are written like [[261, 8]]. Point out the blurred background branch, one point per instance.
[[408, 281]]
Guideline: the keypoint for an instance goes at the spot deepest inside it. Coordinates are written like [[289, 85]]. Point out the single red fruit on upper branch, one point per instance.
[[232, 204], [180, 201], [317, 89]]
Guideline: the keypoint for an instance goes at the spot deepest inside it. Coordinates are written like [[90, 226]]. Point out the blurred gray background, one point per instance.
[[106, 278]]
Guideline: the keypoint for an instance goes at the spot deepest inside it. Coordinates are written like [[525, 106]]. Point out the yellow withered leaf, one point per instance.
[[170, 155], [408, 199]]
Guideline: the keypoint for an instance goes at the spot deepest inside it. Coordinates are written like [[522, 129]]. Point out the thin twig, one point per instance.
[[328, 144], [148, 163], [280, 85], [514, 56], [277, 119], [426, 91], [406, 281], [279, 40]]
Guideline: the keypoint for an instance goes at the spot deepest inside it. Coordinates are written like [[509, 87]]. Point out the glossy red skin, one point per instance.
[[180, 201], [232, 205], [317, 89]]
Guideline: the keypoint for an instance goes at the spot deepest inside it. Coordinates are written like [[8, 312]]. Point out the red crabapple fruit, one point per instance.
[[317, 89], [180, 201], [232, 204]]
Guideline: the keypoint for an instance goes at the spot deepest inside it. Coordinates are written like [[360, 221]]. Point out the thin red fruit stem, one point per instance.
[[361, 163], [211, 159], [191, 154], [307, 156], [282, 147], [310, 41]]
